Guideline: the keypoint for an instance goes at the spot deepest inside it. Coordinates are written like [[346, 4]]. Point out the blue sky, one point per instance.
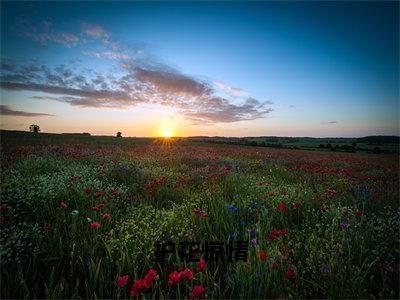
[[201, 68]]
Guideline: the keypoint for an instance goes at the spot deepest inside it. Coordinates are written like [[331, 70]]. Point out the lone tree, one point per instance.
[[34, 128], [119, 134]]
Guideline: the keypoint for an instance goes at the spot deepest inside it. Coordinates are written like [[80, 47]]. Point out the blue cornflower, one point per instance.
[[258, 274], [344, 225], [237, 196], [253, 240], [232, 236], [232, 208]]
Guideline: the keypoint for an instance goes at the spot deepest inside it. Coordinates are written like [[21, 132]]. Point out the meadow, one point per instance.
[[80, 217]]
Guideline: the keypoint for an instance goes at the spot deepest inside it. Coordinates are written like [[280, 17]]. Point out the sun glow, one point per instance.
[[166, 133]]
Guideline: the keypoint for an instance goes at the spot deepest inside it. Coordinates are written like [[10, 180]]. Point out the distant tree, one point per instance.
[[34, 128], [321, 146], [329, 146], [119, 134]]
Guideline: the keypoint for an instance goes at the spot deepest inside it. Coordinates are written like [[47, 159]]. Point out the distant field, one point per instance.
[[80, 216]]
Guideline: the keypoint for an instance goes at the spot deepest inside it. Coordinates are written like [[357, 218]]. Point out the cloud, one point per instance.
[[235, 92], [45, 33], [171, 82], [330, 122], [107, 54], [161, 85], [95, 31], [5, 110], [136, 78]]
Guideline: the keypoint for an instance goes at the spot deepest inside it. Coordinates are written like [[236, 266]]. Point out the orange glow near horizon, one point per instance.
[[166, 133]]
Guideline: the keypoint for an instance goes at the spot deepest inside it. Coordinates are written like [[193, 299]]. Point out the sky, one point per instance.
[[319, 69]]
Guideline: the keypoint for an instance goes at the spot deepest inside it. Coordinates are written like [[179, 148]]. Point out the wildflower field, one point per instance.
[[80, 217]]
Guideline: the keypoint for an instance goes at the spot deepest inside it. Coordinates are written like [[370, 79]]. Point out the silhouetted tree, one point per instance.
[[119, 134], [34, 128]]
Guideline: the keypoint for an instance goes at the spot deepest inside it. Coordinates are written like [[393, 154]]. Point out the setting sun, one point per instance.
[[166, 133]]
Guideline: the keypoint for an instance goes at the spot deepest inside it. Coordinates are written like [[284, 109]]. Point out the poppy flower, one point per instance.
[[270, 193], [270, 238], [360, 213], [149, 278], [285, 259], [197, 292], [87, 190], [136, 287], [47, 227], [187, 273], [262, 255], [174, 277], [197, 211], [204, 215], [99, 194], [282, 207], [201, 265], [63, 205], [290, 274], [297, 205], [275, 232], [283, 232], [95, 225], [123, 280], [106, 216], [74, 178], [275, 266]]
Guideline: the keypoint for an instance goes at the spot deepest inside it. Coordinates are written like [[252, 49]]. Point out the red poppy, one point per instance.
[[282, 207], [275, 266], [201, 265], [136, 287], [149, 278], [290, 274], [187, 273], [106, 216], [270, 193], [360, 213], [297, 205], [99, 194], [123, 280], [283, 232], [47, 227], [285, 259], [95, 225], [262, 255], [275, 232], [174, 277], [204, 215], [270, 237], [63, 205], [197, 211], [260, 183], [74, 178], [87, 190], [197, 292]]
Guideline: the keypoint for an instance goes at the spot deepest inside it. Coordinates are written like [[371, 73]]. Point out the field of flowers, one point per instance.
[[81, 219]]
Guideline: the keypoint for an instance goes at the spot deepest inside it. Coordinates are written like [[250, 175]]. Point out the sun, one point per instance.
[[166, 133]]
